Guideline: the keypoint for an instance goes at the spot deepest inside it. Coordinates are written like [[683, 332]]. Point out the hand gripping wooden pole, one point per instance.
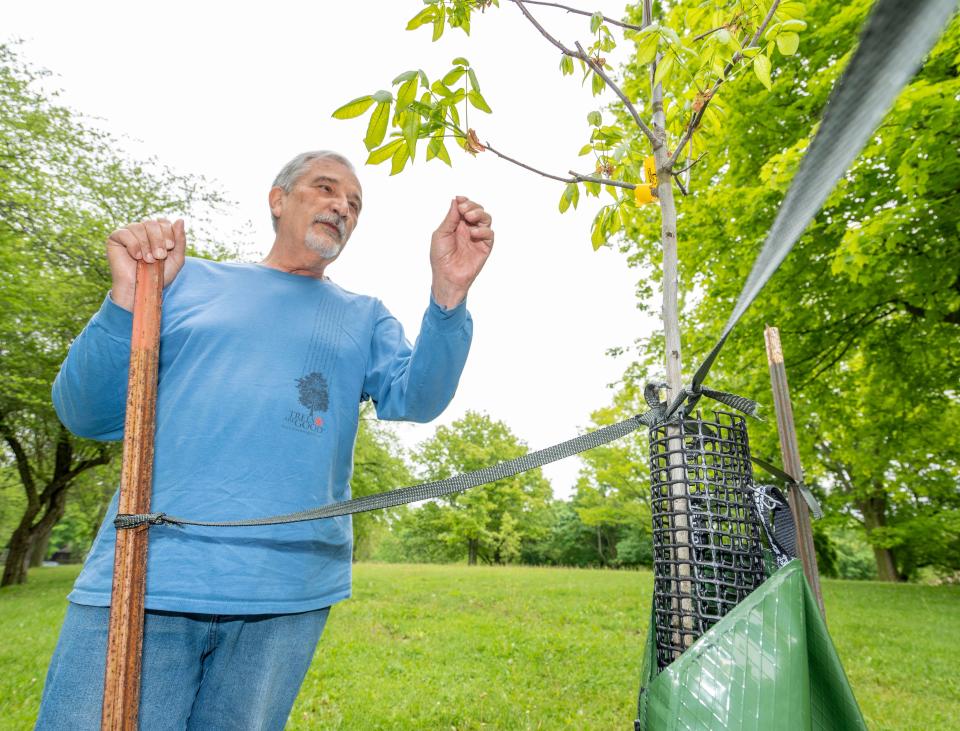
[[121, 689], [790, 451]]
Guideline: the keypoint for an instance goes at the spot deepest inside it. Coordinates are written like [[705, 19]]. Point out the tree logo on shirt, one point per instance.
[[315, 397]]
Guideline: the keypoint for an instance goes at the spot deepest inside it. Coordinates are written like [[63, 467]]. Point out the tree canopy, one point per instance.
[[64, 186]]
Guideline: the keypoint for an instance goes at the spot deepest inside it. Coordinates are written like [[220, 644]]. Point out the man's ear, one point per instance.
[[276, 197]]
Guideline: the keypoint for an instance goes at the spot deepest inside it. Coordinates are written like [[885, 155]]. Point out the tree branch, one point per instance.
[[648, 133], [525, 166], [698, 116], [23, 462], [575, 177], [603, 181], [628, 26], [683, 170], [595, 67]]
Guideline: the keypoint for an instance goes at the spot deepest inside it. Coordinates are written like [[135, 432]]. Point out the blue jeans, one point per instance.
[[200, 671]]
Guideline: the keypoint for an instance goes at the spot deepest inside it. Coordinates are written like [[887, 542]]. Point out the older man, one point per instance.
[[262, 369]]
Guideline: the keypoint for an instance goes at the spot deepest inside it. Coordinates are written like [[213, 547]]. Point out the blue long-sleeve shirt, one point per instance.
[[261, 375]]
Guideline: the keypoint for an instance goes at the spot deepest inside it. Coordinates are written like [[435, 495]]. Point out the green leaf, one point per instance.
[[384, 153], [473, 79], [788, 43], [723, 36], [442, 153], [586, 149], [761, 67], [439, 88], [383, 97], [411, 130], [453, 76], [570, 192], [647, 48], [407, 93], [566, 65], [671, 35], [460, 61], [438, 26], [664, 69], [597, 236], [794, 25], [596, 20], [597, 84], [354, 109], [594, 118], [377, 129], [792, 10], [424, 16], [405, 76], [400, 158], [478, 101], [616, 221], [424, 81]]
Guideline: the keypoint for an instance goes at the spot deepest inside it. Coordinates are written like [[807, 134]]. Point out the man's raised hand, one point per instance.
[[153, 240], [458, 250]]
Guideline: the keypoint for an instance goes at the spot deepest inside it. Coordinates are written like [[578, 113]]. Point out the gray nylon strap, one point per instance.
[[415, 493]]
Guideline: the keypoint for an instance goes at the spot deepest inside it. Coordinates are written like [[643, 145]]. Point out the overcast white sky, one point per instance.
[[232, 91]]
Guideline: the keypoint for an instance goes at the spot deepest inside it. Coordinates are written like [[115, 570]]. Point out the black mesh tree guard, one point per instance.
[[707, 552]]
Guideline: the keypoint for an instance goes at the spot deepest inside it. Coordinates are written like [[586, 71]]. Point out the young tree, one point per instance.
[[63, 188], [868, 303]]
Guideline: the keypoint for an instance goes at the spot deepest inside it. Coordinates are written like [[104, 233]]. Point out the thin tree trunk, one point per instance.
[[472, 552], [671, 330]]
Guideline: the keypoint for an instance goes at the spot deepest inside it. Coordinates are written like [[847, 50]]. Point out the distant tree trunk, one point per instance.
[[472, 546], [874, 511], [603, 560], [38, 548], [15, 570], [47, 503], [41, 532]]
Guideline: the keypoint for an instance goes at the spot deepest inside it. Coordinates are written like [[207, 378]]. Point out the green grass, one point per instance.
[[452, 647]]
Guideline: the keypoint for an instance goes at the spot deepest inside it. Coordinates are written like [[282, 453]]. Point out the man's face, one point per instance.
[[321, 209]]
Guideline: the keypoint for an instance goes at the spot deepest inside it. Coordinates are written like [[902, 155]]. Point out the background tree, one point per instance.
[[379, 465], [613, 489], [491, 524], [63, 188]]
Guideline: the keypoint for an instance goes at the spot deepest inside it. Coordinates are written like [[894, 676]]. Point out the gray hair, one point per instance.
[[291, 172]]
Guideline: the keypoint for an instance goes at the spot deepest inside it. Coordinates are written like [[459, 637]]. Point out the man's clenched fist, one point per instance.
[[157, 240]]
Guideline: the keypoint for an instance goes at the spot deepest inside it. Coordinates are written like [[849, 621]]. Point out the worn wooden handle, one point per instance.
[[121, 689]]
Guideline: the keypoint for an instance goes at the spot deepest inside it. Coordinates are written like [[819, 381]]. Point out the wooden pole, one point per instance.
[[790, 452], [121, 689]]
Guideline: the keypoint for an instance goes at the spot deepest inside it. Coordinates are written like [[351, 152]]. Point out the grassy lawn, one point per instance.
[[452, 647]]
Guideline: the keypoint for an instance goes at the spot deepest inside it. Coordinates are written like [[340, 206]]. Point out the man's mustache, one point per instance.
[[334, 220]]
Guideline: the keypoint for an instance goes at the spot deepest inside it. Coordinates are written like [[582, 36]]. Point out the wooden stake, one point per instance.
[[121, 688], [790, 452]]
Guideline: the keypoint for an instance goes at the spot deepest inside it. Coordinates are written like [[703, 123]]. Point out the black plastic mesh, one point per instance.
[[707, 553]]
